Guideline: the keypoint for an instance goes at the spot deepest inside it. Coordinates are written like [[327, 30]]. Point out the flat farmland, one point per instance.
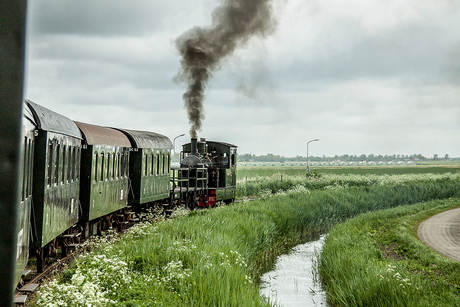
[[264, 171]]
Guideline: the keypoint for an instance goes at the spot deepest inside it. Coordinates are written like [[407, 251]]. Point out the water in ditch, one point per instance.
[[291, 282]]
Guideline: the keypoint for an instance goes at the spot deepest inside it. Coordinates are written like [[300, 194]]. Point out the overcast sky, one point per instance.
[[365, 77]]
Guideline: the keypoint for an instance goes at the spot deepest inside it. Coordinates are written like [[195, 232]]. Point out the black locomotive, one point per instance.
[[78, 179], [209, 168]]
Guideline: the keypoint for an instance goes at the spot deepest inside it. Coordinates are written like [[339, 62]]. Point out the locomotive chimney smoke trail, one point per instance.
[[234, 22]]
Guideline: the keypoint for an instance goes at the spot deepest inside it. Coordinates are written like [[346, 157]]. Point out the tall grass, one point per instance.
[[213, 257], [376, 259], [279, 182], [264, 171]]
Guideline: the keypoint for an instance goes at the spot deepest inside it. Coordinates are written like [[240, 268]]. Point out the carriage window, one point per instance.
[[158, 164], [74, 163], [30, 165], [24, 170], [50, 162], [152, 164], [71, 163], [169, 163], [233, 159], [127, 164], [102, 167], [120, 161], [61, 168], [64, 163], [96, 163], [115, 165], [73, 166], [164, 163], [144, 164], [105, 175], [147, 164], [111, 165], [121, 164], [77, 163], [28, 161], [56, 166], [109, 160]]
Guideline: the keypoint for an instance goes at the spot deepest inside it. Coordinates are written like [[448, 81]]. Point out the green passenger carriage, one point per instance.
[[56, 175], [150, 163], [104, 171], [25, 204]]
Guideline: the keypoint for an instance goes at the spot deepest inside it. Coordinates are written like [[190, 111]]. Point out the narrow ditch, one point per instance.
[[292, 282]]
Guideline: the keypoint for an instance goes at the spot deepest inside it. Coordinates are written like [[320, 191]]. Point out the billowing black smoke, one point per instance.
[[202, 49]]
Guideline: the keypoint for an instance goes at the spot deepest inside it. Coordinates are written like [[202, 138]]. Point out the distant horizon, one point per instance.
[[344, 156]]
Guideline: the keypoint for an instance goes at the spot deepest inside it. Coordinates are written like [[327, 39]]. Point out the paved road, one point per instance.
[[442, 233]]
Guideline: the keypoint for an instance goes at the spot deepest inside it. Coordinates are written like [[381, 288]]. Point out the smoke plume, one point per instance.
[[234, 22]]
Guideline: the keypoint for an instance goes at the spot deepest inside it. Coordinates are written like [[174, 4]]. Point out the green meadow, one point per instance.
[[248, 172], [376, 259], [215, 257]]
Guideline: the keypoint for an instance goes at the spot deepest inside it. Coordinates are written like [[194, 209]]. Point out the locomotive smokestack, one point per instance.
[[194, 150], [234, 22]]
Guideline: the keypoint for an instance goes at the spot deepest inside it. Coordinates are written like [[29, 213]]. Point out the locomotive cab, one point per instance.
[[222, 170], [190, 180], [217, 162]]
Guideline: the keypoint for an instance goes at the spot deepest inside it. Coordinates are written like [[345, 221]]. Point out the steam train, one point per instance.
[[78, 179]]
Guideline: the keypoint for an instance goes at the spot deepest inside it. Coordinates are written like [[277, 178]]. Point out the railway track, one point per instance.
[[26, 289], [29, 287]]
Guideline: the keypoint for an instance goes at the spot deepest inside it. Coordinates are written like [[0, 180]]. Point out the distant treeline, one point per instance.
[[347, 158]]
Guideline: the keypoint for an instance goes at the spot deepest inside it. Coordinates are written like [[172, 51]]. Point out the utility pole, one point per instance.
[[308, 163]]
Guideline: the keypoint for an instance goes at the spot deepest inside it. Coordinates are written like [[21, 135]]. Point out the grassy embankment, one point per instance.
[[376, 259], [213, 257]]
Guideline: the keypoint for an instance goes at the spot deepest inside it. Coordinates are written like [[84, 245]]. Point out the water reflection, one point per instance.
[[291, 282]]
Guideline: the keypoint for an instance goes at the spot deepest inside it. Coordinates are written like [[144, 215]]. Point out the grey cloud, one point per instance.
[[452, 65], [419, 55], [98, 18]]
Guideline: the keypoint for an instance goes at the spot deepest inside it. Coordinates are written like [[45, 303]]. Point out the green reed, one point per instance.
[[377, 259], [279, 182]]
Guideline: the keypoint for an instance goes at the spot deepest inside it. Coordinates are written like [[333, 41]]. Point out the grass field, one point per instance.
[[215, 257], [377, 259], [253, 171], [277, 183]]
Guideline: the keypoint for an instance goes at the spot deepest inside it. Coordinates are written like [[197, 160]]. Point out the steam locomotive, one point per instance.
[[78, 179]]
